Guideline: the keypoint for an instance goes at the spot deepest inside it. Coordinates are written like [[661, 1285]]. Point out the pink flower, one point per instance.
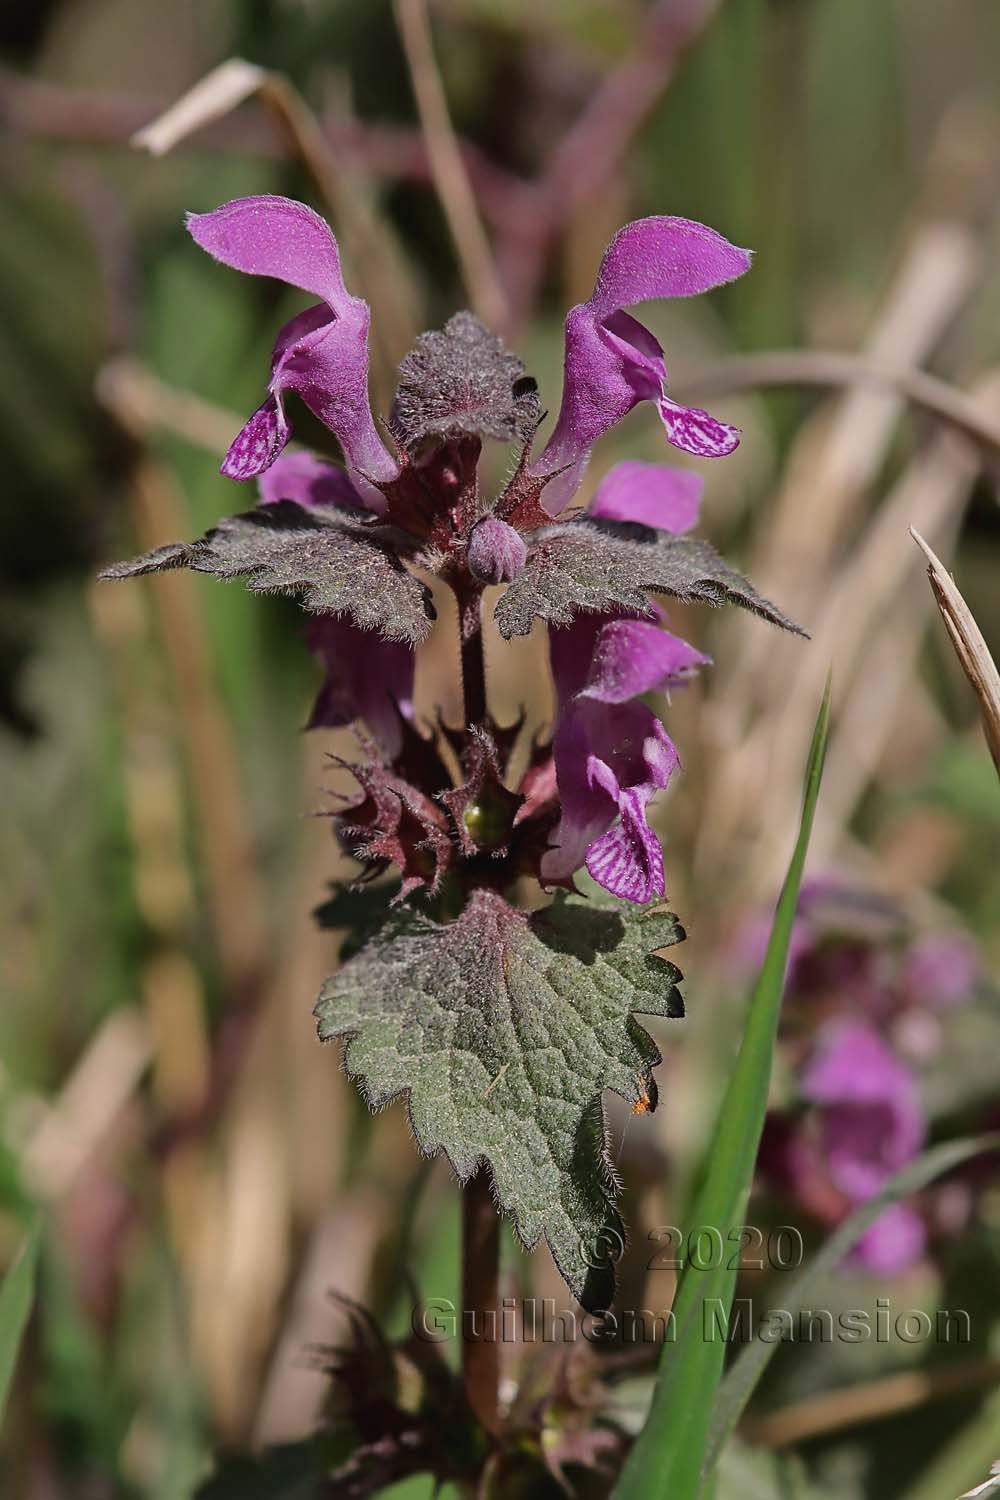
[[612, 754], [364, 677], [321, 354], [458, 387], [871, 1123], [612, 362]]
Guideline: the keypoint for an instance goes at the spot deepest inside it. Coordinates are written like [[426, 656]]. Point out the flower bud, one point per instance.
[[496, 551]]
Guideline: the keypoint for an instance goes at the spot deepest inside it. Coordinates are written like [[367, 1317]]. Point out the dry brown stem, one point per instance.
[[368, 240], [832, 1411], [448, 167], [970, 647]]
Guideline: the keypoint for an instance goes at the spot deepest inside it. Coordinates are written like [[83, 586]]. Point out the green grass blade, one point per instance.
[[667, 1460], [963, 1464], [746, 1371], [16, 1296]]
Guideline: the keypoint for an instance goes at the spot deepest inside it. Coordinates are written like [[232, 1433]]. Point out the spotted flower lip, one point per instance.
[[321, 354], [609, 761], [612, 754], [612, 362]]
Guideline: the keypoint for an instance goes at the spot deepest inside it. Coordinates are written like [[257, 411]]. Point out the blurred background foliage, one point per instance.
[[205, 1174]]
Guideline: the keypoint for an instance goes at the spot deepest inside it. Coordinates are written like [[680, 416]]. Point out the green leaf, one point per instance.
[[503, 1029], [738, 1386], [601, 565], [339, 562], [668, 1457], [16, 1296]]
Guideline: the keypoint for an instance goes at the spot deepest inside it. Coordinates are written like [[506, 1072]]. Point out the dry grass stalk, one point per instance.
[[335, 1265], [755, 795], [835, 460], [229, 85], [68, 1132], [126, 385], [834, 1411], [841, 450], [451, 179], [375, 257], [887, 688], [235, 891], [799, 367], [970, 647]]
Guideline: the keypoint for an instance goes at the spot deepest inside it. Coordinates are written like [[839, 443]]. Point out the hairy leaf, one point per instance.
[[339, 563], [504, 1028], [600, 565], [461, 379]]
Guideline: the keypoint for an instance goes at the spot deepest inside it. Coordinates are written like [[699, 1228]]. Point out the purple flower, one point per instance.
[[871, 992], [609, 763], [894, 1242], [357, 543], [871, 1124], [750, 942], [871, 1119], [611, 753], [941, 969], [365, 677], [612, 362], [653, 494], [309, 481], [321, 355]]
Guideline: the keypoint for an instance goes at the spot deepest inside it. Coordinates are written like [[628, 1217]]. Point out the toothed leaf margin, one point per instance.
[[503, 1029], [336, 562], [600, 565]]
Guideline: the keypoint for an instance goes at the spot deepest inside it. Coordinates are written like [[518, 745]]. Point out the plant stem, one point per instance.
[[469, 595], [480, 1299], [480, 1308]]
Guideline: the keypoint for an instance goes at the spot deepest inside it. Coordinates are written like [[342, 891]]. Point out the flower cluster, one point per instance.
[[862, 1019], [354, 542], [503, 1027]]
